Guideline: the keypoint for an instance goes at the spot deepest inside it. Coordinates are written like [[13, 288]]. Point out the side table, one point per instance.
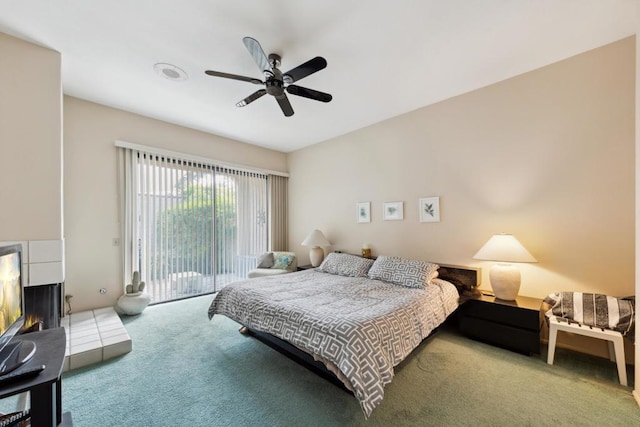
[[45, 388], [514, 325]]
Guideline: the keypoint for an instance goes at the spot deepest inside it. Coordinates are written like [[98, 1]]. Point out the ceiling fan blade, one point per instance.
[[249, 99], [304, 70], [285, 105], [309, 93], [257, 53], [234, 77]]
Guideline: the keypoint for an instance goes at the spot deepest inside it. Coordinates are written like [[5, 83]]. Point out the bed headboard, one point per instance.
[[466, 279]]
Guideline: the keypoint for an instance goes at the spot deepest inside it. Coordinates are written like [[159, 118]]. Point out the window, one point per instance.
[[197, 227]]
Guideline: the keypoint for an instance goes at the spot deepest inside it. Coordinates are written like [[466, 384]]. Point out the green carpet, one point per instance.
[[185, 370]]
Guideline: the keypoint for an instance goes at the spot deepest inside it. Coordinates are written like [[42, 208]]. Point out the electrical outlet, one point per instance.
[[103, 290], [115, 241]]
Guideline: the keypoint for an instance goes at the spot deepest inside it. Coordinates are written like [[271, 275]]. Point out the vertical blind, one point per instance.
[[195, 227], [278, 212]]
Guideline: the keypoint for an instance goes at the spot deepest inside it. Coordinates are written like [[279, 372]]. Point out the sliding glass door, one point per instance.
[[198, 227]]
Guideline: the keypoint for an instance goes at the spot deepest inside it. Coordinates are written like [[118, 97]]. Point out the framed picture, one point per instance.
[[363, 212], [429, 209], [393, 211]]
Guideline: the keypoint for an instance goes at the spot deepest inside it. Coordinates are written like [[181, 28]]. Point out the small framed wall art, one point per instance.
[[429, 209], [363, 212], [393, 211]]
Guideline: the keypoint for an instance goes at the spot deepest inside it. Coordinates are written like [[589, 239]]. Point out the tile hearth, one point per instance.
[[94, 336]]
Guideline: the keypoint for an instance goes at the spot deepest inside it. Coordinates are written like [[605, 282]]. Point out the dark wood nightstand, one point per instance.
[[514, 325], [305, 267]]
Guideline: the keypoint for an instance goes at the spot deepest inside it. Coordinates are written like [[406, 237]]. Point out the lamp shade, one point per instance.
[[504, 248], [316, 239]]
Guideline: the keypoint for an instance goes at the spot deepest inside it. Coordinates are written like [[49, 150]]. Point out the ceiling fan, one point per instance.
[[276, 82]]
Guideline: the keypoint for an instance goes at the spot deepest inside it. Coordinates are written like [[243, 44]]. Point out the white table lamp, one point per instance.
[[504, 276], [316, 240]]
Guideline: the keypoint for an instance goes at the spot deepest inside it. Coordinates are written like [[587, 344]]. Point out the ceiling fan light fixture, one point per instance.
[[170, 72]]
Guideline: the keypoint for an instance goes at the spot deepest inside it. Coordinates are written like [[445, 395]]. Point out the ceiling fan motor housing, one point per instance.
[[274, 83], [275, 87]]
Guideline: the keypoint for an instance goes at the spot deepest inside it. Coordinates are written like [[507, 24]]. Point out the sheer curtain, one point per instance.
[[189, 227]]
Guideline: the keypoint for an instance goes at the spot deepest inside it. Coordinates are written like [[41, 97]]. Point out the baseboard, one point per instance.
[[636, 396]]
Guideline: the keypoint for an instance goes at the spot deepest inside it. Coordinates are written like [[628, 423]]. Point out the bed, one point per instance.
[[357, 317]]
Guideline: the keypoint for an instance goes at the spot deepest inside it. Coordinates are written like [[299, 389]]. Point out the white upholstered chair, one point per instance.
[[278, 268]]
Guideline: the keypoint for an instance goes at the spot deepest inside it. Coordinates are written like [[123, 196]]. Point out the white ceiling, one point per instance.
[[384, 58]]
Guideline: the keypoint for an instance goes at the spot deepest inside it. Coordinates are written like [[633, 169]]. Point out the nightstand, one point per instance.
[[305, 267], [514, 325]]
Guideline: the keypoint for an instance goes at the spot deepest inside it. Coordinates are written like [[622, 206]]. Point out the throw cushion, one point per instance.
[[282, 261], [265, 260], [403, 272], [599, 310], [346, 265]]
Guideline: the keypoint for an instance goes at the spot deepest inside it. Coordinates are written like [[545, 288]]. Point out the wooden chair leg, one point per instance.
[[553, 335], [612, 351], [620, 360]]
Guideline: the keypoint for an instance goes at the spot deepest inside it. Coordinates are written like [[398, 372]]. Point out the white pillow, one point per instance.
[[403, 272]]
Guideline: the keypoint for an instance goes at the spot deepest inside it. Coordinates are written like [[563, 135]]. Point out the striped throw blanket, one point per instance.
[[601, 311]]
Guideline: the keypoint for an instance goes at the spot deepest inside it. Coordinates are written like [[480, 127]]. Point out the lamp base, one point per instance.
[[505, 281], [316, 255]]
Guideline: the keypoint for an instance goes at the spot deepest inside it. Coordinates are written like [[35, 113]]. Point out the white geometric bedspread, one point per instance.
[[364, 327]]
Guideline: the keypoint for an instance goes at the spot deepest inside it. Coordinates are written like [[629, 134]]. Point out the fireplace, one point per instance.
[[43, 307]]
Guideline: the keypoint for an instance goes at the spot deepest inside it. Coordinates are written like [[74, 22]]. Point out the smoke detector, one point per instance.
[[170, 72]]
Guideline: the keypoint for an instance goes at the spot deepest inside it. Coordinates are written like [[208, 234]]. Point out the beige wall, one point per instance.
[[636, 388], [91, 187], [30, 141], [547, 156]]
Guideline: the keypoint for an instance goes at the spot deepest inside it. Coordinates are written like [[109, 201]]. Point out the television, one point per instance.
[[13, 351]]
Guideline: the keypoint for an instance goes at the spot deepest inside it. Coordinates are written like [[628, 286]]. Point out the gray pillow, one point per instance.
[[346, 265], [265, 260], [403, 272]]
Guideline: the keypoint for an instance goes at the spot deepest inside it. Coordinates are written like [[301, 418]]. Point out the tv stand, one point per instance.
[[45, 388], [15, 354]]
